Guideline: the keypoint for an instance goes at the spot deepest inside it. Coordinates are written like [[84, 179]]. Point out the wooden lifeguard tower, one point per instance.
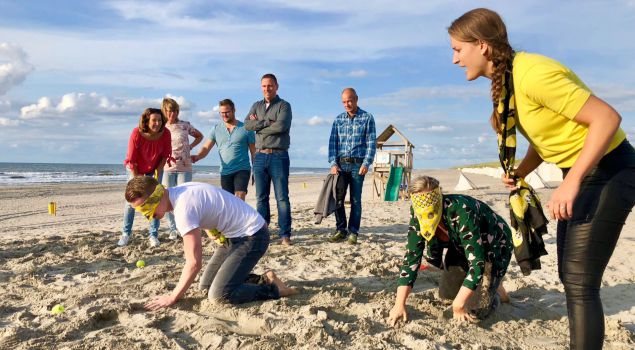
[[392, 167]]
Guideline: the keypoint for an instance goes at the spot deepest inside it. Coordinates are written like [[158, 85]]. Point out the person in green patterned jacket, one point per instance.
[[476, 238]]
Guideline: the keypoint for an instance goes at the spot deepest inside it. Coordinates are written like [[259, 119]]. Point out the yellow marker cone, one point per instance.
[[52, 208], [304, 185]]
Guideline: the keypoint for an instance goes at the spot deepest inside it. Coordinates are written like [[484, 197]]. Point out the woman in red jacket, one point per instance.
[[149, 147]]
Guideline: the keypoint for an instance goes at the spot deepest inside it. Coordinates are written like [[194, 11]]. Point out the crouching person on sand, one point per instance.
[[196, 207], [477, 240]]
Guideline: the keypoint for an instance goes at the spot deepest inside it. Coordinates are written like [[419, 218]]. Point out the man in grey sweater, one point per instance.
[[270, 118]]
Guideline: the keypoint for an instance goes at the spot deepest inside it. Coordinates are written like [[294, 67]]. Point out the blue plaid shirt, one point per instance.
[[353, 137]]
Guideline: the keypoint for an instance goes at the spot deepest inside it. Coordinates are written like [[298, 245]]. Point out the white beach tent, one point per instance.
[[549, 172], [535, 181], [464, 184]]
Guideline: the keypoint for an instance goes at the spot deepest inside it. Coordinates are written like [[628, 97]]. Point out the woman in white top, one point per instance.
[[179, 171]]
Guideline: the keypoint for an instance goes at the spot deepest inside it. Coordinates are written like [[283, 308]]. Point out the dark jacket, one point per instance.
[[331, 197]]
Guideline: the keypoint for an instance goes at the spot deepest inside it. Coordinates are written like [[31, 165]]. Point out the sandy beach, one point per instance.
[[346, 291]]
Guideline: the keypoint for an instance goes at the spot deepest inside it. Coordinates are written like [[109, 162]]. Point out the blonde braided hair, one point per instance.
[[487, 26]]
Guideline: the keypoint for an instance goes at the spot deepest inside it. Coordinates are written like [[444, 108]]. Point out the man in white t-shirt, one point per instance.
[[199, 206]]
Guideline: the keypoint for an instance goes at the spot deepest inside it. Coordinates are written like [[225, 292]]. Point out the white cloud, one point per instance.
[[5, 105], [622, 98], [177, 14], [209, 116], [426, 150], [81, 104], [359, 73], [318, 121], [363, 7], [434, 128], [405, 96], [8, 122], [356, 73], [482, 138], [36, 110], [15, 67], [324, 151]]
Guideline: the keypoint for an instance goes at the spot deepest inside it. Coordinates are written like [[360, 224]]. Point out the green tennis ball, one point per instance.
[[141, 263], [57, 309]]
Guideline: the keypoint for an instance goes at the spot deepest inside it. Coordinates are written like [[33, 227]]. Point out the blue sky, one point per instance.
[[76, 75]]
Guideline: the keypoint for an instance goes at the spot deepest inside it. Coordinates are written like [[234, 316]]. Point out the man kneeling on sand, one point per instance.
[[245, 238]]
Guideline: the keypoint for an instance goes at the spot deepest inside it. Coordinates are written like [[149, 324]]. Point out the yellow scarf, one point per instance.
[[150, 205], [428, 209], [528, 222]]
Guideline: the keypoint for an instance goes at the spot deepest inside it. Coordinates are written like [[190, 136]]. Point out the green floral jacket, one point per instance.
[[476, 235]]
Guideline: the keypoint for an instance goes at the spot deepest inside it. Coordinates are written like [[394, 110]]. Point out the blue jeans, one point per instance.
[[128, 215], [171, 179], [274, 168], [228, 271], [352, 179]]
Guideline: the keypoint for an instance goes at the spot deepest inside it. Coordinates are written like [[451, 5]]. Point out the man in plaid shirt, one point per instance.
[[351, 152]]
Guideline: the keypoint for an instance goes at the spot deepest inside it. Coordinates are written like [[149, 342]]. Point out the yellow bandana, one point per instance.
[[428, 209], [150, 205], [217, 236]]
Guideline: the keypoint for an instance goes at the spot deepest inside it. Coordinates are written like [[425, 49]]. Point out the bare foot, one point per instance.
[[286, 241], [282, 288], [502, 293]]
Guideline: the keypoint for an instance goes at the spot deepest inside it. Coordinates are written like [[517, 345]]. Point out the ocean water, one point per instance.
[[37, 173]]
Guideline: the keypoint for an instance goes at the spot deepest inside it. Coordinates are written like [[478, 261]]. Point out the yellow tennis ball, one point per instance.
[[141, 263], [57, 309]]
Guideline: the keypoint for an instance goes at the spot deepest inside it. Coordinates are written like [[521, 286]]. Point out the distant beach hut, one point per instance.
[[393, 165]]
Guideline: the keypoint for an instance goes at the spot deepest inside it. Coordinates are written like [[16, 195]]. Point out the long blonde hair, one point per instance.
[[487, 26]]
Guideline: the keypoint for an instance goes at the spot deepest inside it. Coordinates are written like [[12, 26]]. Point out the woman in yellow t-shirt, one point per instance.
[[567, 125]]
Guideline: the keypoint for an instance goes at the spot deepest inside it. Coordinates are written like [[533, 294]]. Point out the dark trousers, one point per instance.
[[586, 242]]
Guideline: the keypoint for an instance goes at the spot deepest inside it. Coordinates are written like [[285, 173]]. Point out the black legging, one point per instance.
[[586, 242]]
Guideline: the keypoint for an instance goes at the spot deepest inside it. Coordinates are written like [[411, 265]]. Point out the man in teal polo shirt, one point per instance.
[[233, 142]]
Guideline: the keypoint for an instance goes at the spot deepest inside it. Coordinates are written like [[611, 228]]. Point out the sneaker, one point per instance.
[[154, 242], [352, 238], [173, 235], [123, 241], [338, 236]]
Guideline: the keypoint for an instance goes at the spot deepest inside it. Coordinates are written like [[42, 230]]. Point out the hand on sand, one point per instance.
[[461, 315], [397, 312], [160, 302], [282, 288]]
